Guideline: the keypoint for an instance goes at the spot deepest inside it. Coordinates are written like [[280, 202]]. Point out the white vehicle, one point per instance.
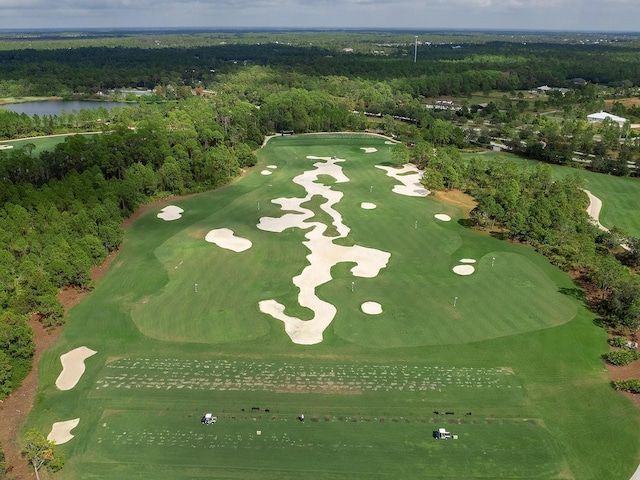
[[209, 419]]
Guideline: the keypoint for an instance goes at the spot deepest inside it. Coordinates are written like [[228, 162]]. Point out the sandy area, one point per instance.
[[6, 147], [272, 166], [595, 205], [170, 212], [61, 431], [443, 217], [467, 260], [324, 253], [463, 269], [367, 205], [389, 142], [369, 149], [73, 367], [266, 172], [410, 177], [371, 308], [225, 238]]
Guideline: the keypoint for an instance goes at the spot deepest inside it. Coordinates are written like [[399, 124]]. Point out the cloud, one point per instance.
[[425, 14]]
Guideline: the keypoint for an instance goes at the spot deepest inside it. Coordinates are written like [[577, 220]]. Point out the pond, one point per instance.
[[55, 107]]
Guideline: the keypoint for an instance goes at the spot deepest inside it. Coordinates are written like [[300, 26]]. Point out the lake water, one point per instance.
[[55, 107]]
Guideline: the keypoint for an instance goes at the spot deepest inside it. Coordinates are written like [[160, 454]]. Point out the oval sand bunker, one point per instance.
[[170, 212], [371, 308], [367, 205], [443, 217], [463, 269], [266, 172]]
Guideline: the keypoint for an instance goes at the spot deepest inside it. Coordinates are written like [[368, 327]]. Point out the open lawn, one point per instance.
[[42, 144], [506, 358]]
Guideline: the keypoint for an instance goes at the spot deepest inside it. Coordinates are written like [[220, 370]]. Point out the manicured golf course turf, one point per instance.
[[507, 358]]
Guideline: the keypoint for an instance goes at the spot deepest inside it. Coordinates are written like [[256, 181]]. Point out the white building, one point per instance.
[[600, 116]]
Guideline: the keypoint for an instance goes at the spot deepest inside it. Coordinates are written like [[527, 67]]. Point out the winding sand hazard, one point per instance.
[[409, 175], [73, 367], [367, 206], [61, 431], [225, 238], [324, 253], [371, 308], [170, 212]]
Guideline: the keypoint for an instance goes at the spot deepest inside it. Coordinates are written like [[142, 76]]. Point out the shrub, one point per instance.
[[632, 385], [618, 341], [621, 357]]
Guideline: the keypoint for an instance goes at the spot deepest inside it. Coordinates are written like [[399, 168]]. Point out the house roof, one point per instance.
[[603, 115]]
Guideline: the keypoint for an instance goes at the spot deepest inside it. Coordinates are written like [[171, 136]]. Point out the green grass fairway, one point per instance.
[[43, 144], [506, 358]]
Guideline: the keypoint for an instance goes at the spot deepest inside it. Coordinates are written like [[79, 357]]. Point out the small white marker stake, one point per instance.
[[416, 225], [353, 284], [371, 189], [493, 260], [258, 205], [455, 300], [195, 287]]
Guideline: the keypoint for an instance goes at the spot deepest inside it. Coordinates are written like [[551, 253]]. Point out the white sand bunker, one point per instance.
[[266, 172], [324, 253], [61, 431], [464, 269], [389, 142], [371, 308], [225, 238], [409, 175], [369, 149], [272, 166], [443, 217], [170, 212], [467, 260], [367, 205], [73, 367], [6, 147]]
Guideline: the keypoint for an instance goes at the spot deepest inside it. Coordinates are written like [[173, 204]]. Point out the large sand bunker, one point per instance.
[[324, 253], [409, 175], [73, 367], [61, 431], [371, 308], [170, 212], [225, 238]]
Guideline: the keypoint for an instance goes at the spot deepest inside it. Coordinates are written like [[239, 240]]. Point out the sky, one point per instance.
[[560, 15]]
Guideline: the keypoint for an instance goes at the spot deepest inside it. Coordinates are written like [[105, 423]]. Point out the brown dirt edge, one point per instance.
[[15, 408]]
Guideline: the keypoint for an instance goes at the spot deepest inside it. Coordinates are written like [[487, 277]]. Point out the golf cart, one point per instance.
[[209, 419], [442, 434]]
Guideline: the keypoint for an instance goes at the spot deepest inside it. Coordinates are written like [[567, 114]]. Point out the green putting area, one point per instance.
[[319, 284]]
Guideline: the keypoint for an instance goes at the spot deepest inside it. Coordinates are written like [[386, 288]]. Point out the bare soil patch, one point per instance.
[[457, 198]]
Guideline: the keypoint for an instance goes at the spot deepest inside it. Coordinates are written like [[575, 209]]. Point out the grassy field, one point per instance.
[[618, 194], [512, 369], [42, 144]]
